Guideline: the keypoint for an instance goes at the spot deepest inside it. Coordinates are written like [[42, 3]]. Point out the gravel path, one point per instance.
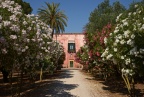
[[71, 83], [85, 87]]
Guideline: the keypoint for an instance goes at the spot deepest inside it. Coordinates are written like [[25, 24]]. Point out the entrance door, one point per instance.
[[71, 63]]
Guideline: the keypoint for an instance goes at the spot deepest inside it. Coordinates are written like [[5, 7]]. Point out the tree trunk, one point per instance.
[[41, 74], [52, 33], [5, 74]]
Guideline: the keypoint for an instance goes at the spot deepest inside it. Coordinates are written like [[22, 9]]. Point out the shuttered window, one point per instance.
[[71, 47]]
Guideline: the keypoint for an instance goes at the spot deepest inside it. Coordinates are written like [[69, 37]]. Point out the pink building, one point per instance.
[[71, 43]]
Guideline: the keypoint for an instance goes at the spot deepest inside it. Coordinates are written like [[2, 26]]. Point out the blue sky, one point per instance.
[[77, 11]]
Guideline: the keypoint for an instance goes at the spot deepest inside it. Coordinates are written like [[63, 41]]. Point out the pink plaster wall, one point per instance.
[[78, 38]]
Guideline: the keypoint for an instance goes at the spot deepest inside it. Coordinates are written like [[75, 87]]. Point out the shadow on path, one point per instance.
[[64, 73], [116, 86], [52, 87]]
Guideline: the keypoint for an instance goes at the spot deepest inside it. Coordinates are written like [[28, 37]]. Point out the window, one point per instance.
[[71, 47]]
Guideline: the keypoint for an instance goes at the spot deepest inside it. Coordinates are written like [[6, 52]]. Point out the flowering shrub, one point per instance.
[[55, 58], [95, 45], [124, 45], [25, 43], [121, 49], [82, 55], [24, 38], [56, 51]]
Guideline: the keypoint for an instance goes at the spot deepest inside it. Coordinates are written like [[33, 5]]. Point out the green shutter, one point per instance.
[[69, 48]]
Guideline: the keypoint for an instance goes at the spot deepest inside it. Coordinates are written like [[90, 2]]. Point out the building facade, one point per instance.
[[71, 43]]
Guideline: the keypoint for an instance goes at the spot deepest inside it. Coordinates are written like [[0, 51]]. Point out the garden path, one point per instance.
[[73, 83], [84, 87]]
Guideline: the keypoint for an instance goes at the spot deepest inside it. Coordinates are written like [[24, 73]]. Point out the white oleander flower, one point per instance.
[[26, 47], [46, 50], [110, 34], [122, 70], [44, 35], [16, 44], [129, 42], [105, 40], [13, 36], [130, 14], [142, 27], [33, 40], [122, 57], [38, 26], [6, 23], [29, 28], [132, 36], [4, 51], [127, 71], [126, 33], [127, 61], [133, 50], [109, 56], [24, 22], [0, 17], [139, 11], [118, 17], [141, 51], [136, 6], [33, 22], [107, 49], [12, 2], [28, 40], [117, 41], [23, 50], [134, 13], [116, 31], [24, 32], [13, 18], [15, 28], [125, 23], [122, 42], [103, 54], [117, 28], [40, 39], [115, 49], [42, 48], [124, 20], [119, 36]]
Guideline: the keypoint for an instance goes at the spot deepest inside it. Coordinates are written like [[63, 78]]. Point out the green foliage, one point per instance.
[[104, 14], [61, 59], [82, 56], [25, 6], [132, 5]]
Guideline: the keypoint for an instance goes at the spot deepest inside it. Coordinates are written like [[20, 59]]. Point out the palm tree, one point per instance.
[[54, 17]]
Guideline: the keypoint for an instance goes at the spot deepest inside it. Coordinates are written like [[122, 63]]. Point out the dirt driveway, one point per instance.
[[71, 83], [84, 86]]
